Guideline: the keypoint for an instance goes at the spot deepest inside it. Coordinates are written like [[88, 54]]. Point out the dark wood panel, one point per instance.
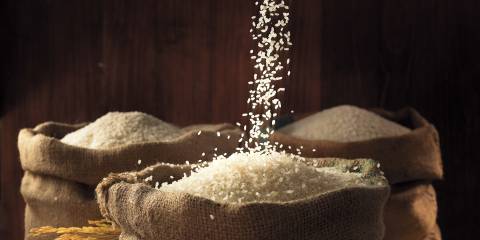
[[54, 64], [187, 62]]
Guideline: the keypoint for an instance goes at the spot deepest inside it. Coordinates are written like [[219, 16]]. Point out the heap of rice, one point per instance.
[[121, 128], [260, 177], [344, 124]]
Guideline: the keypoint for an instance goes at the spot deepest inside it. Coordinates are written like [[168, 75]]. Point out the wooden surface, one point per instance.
[[186, 61]]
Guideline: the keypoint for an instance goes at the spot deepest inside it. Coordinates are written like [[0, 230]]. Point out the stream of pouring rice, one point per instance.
[[272, 38], [259, 171]]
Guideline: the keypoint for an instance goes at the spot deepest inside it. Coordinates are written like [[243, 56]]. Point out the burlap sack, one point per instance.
[[53, 201], [407, 159], [144, 213], [411, 212], [435, 234], [58, 186]]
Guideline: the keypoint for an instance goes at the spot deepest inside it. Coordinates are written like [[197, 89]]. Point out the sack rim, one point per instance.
[[41, 152], [419, 146], [40, 129], [132, 178]]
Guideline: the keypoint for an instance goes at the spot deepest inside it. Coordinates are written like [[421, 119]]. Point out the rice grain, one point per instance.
[[261, 177], [121, 128], [344, 124]]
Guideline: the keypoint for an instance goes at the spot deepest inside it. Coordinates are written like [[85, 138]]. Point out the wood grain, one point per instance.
[[187, 62]]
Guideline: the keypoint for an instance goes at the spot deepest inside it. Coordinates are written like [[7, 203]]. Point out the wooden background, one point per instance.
[[186, 61]]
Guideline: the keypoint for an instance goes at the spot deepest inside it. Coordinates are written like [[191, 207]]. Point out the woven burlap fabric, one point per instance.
[[411, 212], [144, 213], [70, 173], [436, 234], [413, 157], [52, 201], [409, 157], [41, 151]]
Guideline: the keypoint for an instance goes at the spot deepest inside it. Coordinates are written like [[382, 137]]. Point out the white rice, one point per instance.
[[271, 36], [121, 128], [260, 177], [344, 124]]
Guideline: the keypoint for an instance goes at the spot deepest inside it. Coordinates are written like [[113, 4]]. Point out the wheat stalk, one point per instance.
[[97, 230]]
